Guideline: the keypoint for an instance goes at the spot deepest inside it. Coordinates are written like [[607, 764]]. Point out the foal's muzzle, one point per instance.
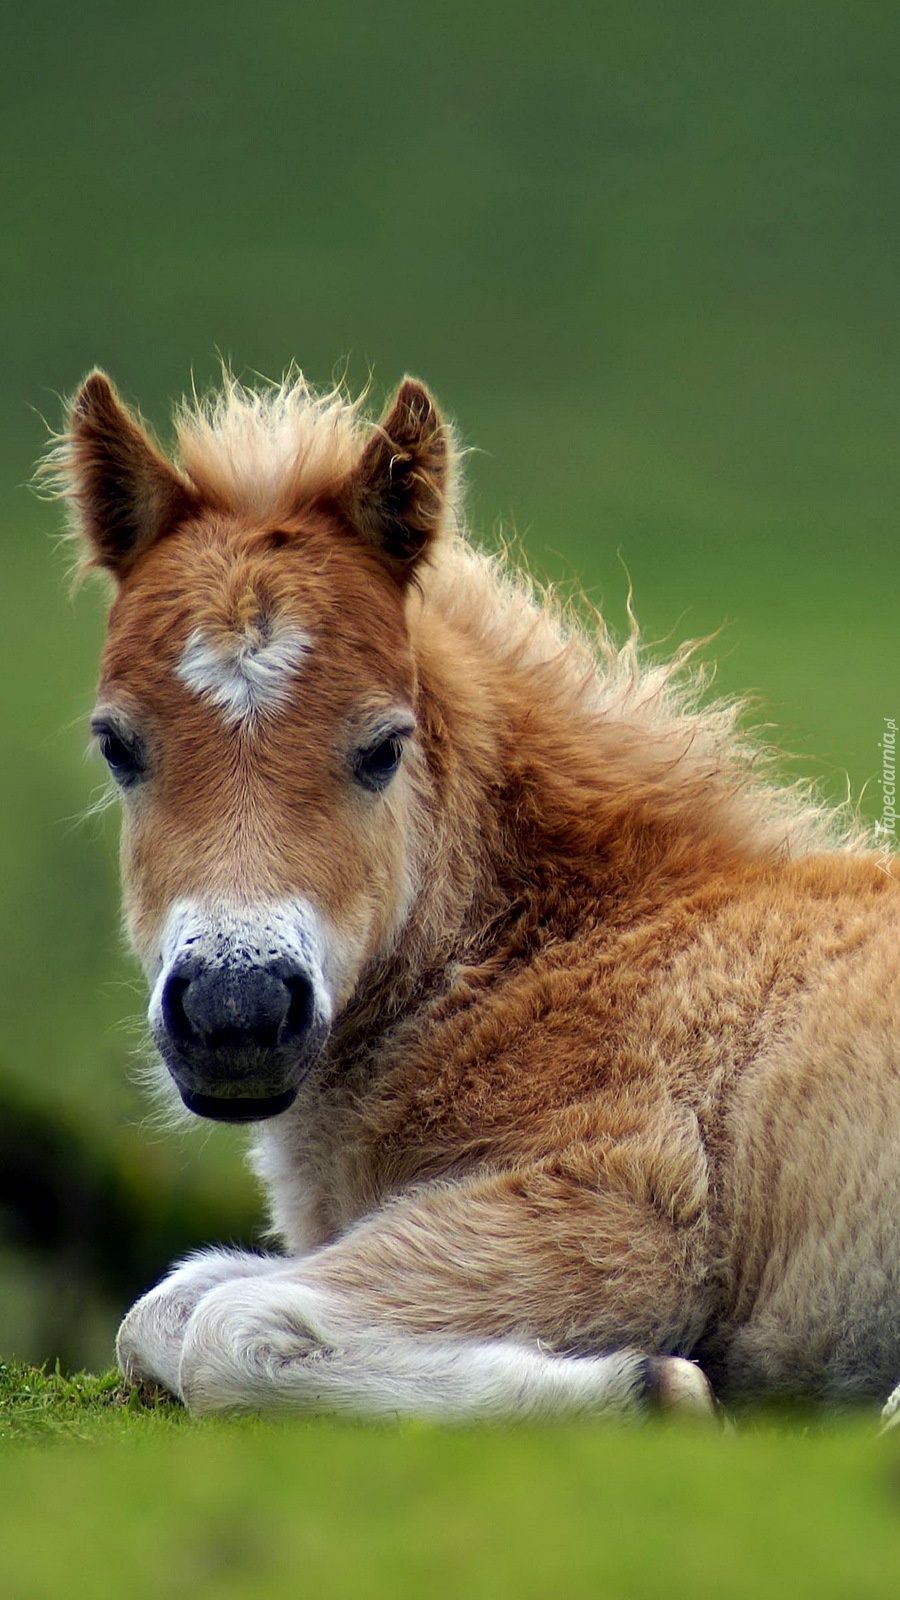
[[236, 1039], [240, 1009]]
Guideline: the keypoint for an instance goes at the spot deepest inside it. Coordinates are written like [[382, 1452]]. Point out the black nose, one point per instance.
[[227, 1009]]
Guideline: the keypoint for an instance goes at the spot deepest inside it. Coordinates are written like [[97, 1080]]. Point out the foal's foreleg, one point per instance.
[[282, 1345], [443, 1304], [150, 1339]]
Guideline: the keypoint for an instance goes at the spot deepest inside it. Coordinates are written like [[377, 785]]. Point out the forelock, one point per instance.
[[269, 451]]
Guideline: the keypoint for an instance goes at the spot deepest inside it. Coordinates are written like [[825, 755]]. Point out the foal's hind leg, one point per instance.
[[444, 1303]]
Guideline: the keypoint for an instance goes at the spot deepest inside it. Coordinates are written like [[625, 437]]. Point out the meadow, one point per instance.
[[99, 1496], [646, 256]]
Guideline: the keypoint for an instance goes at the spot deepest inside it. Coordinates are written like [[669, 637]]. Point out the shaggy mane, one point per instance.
[[271, 450], [566, 651]]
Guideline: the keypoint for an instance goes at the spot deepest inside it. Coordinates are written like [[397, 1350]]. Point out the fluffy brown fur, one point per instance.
[[616, 1052]]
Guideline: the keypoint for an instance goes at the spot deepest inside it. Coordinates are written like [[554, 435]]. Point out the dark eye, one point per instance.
[[375, 767], [121, 754]]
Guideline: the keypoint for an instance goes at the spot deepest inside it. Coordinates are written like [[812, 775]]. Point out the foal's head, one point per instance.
[[257, 710]]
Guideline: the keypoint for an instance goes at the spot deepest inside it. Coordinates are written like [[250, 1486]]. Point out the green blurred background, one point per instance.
[[645, 253]]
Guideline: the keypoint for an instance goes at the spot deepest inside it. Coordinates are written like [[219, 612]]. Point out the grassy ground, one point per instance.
[[104, 1497]]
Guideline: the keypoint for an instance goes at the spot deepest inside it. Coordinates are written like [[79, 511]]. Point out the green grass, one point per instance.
[[37, 1405], [102, 1496]]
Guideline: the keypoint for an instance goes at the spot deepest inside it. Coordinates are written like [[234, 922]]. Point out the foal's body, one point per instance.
[[681, 1134], [585, 1044]]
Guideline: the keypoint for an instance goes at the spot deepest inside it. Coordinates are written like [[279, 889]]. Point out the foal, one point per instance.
[[574, 1048]]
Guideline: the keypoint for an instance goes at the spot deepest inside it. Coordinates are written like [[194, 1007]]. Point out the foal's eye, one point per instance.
[[375, 767], [122, 755]]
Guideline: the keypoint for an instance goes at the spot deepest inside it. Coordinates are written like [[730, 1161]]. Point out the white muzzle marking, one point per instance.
[[246, 935]]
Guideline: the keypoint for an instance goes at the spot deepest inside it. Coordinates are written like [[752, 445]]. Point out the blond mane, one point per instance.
[[568, 653], [269, 450]]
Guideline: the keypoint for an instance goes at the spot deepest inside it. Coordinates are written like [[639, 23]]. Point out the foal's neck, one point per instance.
[[536, 817], [537, 802]]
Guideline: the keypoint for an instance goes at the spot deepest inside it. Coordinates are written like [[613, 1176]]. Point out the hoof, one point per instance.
[[679, 1386]]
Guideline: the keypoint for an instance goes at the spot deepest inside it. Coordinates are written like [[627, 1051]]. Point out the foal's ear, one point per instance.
[[124, 492], [397, 494]]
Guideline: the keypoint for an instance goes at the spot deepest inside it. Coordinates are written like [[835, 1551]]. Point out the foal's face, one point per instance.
[[257, 710]]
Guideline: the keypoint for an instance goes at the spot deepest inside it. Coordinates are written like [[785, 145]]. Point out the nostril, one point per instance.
[[174, 1015], [300, 1010]]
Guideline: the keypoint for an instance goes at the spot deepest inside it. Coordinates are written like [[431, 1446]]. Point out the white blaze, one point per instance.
[[248, 674]]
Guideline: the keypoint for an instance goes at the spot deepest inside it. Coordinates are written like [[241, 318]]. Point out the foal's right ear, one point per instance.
[[125, 494]]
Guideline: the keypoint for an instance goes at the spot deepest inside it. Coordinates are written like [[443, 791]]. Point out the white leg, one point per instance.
[[151, 1335], [283, 1345]]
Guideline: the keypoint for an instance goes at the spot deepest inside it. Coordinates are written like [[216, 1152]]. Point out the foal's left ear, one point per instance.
[[124, 492], [397, 495]]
